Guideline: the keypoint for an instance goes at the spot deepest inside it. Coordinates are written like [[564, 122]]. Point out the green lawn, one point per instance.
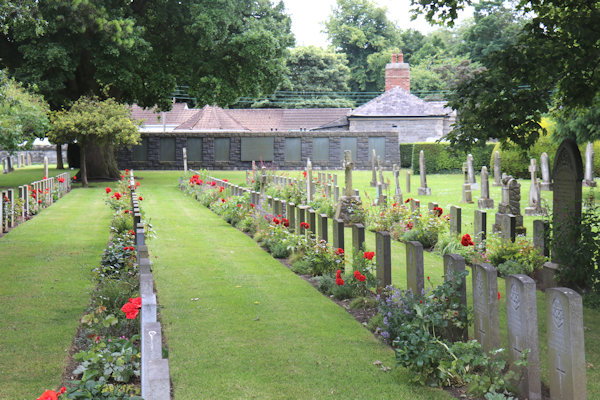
[[239, 324], [44, 283], [26, 175]]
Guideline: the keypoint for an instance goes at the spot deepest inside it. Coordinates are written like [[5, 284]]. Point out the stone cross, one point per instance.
[[566, 350], [535, 197], [588, 179], [348, 166], [545, 167], [46, 167], [373, 161], [567, 199], [471, 172], [309, 181], [423, 190], [185, 166], [497, 173], [398, 191], [521, 318], [485, 201]]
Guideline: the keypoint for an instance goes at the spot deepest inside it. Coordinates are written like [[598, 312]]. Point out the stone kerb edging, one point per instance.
[[155, 376], [34, 197]]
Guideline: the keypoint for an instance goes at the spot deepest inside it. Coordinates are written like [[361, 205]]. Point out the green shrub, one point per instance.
[[440, 158], [406, 151], [362, 302], [512, 267]]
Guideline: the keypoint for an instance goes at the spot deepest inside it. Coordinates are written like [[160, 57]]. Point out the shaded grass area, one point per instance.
[[44, 282], [446, 191], [241, 325], [26, 175]]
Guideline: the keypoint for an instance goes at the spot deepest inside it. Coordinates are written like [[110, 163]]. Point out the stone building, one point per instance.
[[218, 138]]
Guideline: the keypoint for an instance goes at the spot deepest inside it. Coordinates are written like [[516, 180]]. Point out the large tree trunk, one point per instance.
[[83, 170], [59, 159], [101, 161]]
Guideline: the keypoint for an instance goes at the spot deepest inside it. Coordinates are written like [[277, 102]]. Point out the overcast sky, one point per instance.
[[308, 17]]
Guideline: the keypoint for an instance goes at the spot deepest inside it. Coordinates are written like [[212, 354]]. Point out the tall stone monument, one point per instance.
[[309, 181], [545, 167], [567, 199], [471, 172], [46, 167], [373, 166], [588, 179], [466, 189], [497, 169], [423, 190], [398, 191], [535, 196], [185, 166], [348, 204], [485, 201]]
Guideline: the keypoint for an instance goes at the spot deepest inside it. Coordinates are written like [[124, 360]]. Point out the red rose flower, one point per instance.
[[498, 295], [437, 211], [339, 281], [252, 205], [49, 395], [466, 240], [304, 225], [286, 222], [361, 278], [304, 173], [339, 251], [276, 221], [140, 198], [408, 200], [132, 308], [108, 190], [369, 255], [223, 200]]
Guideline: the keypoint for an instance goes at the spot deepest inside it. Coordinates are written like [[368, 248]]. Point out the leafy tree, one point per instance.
[[551, 64], [137, 51], [319, 74], [360, 29], [98, 126], [23, 116]]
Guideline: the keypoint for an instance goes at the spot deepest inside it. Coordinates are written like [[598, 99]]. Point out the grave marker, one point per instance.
[[338, 234], [45, 167], [291, 216], [535, 197], [455, 264], [423, 190], [415, 278], [383, 258], [350, 202], [541, 229], [521, 318], [323, 232], [480, 225], [497, 172], [588, 179], [566, 350], [484, 201], [471, 173], [309, 181], [312, 221], [398, 191], [408, 181], [485, 306], [466, 189], [374, 172], [545, 167], [358, 238], [185, 164], [455, 220]]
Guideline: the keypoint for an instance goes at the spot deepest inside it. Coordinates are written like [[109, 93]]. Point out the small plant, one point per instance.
[[113, 359]]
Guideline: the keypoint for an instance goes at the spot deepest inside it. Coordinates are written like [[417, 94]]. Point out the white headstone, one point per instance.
[[545, 167], [423, 190], [46, 167], [497, 173], [588, 178], [485, 201], [309, 181], [535, 197], [185, 165]]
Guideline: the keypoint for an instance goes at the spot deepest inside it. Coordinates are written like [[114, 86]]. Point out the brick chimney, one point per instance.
[[397, 73]]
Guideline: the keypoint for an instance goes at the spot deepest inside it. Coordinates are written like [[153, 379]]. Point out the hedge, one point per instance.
[[440, 158]]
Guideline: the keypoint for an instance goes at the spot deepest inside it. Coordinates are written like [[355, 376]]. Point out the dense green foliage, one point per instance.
[[440, 158], [138, 51], [23, 115]]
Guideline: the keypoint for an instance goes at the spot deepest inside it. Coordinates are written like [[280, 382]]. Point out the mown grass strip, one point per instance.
[[26, 175], [241, 325], [44, 288]]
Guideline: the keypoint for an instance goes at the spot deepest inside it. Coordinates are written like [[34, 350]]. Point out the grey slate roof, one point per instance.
[[397, 102]]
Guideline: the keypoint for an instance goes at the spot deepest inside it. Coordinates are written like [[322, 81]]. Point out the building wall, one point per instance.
[[392, 155], [37, 154], [410, 130]]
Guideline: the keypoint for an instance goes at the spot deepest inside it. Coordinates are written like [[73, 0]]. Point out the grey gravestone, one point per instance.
[[454, 264], [338, 234], [588, 179], [471, 173], [549, 271], [485, 306], [568, 174], [291, 216], [455, 220], [508, 225], [431, 205], [408, 181], [374, 172], [9, 163], [497, 172], [19, 161], [415, 205], [46, 167], [383, 258], [480, 225], [484, 201], [380, 169], [535, 195], [323, 232], [423, 190], [415, 275], [566, 350], [466, 189], [541, 229], [1, 212], [5, 166], [521, 318], [146, 282], [545, 167], [185, 164], [301, 217], [398, 191], [312, 221], [358, 238], [28, 159], [11, 210], [139, 235], [23, 199], [511, 203]]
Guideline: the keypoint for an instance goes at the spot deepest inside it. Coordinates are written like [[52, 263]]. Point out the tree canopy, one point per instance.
[[137, 51], [94, 123], [23, 115], [551, 64]]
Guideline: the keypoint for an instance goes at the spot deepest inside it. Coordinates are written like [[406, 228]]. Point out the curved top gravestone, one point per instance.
[[568, 174]]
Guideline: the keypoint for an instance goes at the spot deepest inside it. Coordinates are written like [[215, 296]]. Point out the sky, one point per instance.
[[308, 17]]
